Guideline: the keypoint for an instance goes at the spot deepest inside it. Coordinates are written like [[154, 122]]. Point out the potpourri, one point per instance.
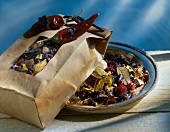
[[121, 80], [36, 57]]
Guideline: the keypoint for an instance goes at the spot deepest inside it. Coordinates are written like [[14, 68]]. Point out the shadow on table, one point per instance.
[[110, 122], [109, 119], [13, 125], [161, 57], [73, 116], [129, 123]]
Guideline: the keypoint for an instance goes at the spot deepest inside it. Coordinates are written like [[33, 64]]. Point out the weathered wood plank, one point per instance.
[[14, 125], [157, 122]]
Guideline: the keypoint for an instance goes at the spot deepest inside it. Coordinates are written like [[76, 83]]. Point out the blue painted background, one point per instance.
[[142, 23]]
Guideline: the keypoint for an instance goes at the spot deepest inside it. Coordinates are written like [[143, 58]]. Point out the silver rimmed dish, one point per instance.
[[136, 55]]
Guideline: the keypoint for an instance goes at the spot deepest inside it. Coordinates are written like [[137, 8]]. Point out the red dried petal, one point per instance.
[[111, 100], [110, 68], [131, 85], [122, 89]]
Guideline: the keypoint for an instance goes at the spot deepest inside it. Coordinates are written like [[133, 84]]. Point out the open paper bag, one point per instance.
[[38, 99]]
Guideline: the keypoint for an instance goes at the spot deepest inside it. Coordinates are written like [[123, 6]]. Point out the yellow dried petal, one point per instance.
[[86, 89], [105, 80], [138, 72], [40, 56], [40, 66], [24, 68], [95, 78], [99, 73]]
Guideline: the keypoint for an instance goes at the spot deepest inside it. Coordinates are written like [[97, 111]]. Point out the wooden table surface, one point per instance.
[[151, 114]]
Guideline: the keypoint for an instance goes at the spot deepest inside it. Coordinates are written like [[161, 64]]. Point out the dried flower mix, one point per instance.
[[120, 81], [36, 57]]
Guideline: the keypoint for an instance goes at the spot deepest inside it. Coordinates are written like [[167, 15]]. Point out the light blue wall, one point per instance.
[[142, 23]]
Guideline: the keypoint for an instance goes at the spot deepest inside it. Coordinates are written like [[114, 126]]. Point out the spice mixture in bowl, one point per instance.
[[129, 76]]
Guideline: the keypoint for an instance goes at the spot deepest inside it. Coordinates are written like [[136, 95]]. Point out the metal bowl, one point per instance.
[[138, 56]]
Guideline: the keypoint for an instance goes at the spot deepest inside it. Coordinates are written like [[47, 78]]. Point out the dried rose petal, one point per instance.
[[121, 89], [111, 100]]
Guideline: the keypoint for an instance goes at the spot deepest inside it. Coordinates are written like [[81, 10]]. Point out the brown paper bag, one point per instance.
[[38, 99]]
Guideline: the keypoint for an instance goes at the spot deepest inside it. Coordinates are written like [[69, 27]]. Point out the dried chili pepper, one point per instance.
[[48, 23], [79, 19], [71, 33]]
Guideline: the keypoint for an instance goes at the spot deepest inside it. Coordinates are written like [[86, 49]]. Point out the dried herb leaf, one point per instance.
[[130, 69], [40, 56], [124, 72]]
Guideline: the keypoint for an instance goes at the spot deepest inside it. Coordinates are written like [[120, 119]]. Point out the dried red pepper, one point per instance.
[[48, 23], [69, 34], [72, 33]]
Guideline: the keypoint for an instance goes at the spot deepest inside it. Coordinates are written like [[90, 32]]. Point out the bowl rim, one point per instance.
[[129, 101]]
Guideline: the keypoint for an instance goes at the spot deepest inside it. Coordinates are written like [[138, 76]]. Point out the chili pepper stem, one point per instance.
[[55, 38], [67, 19], [41, 41]]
